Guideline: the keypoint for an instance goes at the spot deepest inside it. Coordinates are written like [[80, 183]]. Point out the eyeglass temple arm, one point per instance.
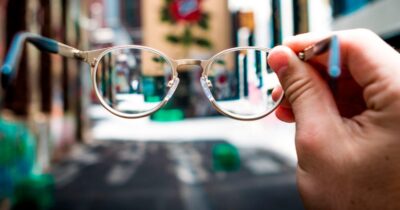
[[9, 68], [332, 44]]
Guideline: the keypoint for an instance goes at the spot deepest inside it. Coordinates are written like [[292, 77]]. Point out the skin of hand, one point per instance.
[[347, 143]]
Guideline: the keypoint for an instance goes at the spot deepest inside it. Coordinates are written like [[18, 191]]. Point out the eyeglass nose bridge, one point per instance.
[[191, 62], [195, 62]]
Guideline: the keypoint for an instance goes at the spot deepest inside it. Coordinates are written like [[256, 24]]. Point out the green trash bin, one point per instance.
[[225, 157]]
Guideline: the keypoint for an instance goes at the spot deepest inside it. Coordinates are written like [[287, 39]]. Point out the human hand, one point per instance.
[[348, 143]]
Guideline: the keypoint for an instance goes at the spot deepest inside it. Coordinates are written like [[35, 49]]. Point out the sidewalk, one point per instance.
[[268, 133]]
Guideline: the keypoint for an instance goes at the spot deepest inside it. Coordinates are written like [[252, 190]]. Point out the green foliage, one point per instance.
[[166, 16], [173, 38], [203, 22], [221, 62], [203, 42], [159, 59], [187, 37]]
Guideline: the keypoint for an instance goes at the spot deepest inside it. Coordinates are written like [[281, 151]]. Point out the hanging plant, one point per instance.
[[189, 13]]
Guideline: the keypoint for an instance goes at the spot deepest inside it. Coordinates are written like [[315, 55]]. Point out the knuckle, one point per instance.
[[296, 87], [392, 91], [382, 94]]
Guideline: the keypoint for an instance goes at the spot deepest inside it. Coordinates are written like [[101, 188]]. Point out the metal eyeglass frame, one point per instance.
[[93, 57]]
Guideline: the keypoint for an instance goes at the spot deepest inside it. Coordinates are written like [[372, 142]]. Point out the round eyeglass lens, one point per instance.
[[242, 83], [132, 81]]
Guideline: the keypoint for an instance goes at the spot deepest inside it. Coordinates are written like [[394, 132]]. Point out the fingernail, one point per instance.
[[279, 60]]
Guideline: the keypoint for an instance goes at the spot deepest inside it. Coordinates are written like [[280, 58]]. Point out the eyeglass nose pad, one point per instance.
[[206, 85], [172, 84]]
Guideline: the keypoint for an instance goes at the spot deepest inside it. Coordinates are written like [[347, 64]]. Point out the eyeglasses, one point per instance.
[[133, 81]]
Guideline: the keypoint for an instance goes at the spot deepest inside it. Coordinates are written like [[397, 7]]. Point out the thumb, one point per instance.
[[307, 92]]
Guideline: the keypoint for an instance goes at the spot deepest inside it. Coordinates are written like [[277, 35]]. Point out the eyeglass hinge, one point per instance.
[[81, 55]]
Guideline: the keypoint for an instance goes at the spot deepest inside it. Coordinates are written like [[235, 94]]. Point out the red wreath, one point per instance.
[[185, 10], [189, 13]]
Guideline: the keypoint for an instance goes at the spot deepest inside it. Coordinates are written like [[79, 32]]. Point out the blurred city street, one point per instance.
[[172, 175], [149, 105], [142, 164]]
